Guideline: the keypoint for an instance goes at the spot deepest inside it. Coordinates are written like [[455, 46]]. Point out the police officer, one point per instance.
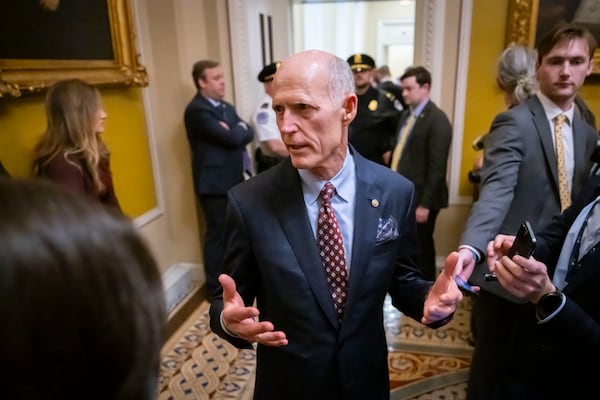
[[270, 149], [372, 131]]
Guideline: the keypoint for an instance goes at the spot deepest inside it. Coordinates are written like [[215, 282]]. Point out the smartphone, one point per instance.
[[524, 245], [464, 286]]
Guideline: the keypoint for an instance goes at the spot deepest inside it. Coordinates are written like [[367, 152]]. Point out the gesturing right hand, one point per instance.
[[241, 321]]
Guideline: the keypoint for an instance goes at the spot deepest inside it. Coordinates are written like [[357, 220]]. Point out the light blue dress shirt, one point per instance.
[[342, 203], [562, 266]]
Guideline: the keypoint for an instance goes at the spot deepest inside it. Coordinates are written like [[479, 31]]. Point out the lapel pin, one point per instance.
[[375, 203]]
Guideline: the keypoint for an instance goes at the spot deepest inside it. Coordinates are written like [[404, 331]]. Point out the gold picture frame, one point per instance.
[[523, 24], [18, 76]]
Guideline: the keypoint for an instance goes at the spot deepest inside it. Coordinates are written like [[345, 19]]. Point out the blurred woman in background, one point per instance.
[[71, 152]]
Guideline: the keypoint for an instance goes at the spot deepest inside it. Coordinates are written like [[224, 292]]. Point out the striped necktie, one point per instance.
[[404, 132]]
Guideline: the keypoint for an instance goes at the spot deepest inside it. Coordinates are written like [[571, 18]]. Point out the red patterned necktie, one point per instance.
[[331, 250]]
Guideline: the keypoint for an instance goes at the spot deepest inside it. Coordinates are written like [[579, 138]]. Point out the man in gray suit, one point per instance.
[[313, 344], [520, 181]]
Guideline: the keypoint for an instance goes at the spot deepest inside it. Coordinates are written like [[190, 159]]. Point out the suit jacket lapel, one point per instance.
[[540, 120], [291, 210], [366, 218], [418, 121], [579, 145], [219, 113]]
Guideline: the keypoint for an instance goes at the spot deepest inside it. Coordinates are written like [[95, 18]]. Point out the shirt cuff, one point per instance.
[[474, 251], [225, 328], [543, 314]]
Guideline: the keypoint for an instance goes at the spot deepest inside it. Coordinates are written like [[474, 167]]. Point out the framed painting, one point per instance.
[[529, 20], [42, 41]]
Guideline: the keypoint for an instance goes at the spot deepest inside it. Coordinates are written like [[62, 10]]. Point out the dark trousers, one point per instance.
[[498, 327], [214, 207], [427, 246]]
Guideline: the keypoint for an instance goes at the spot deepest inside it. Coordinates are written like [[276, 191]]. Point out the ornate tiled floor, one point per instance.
[[425, 364], [198, 365]]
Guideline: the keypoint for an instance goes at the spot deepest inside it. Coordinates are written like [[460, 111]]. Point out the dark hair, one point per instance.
[[565, 32], [199, 68], [81, 298], [421, 75]]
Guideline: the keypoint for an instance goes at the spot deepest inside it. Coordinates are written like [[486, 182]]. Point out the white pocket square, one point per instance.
[[387, 229]]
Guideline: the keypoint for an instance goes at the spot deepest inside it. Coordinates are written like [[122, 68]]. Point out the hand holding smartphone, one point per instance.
[[525, 241], [464, 286], [524, 245]]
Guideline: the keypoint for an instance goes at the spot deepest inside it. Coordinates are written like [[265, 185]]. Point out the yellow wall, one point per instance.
[[484, 99], [22, 120]]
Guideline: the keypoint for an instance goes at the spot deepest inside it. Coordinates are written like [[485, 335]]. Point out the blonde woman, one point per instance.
[[71, 152]]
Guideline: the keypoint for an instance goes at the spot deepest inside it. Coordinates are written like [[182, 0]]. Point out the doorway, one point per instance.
[[383, 29]]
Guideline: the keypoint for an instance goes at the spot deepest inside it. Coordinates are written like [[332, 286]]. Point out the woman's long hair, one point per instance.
[[71, 110]]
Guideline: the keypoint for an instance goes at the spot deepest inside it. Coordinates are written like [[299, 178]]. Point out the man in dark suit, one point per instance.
[[218, 139], [520, 181], [316, 341], [561, 329], [421, 154]]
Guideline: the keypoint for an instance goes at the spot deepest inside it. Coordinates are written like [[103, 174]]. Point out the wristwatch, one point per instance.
[[549, 304]]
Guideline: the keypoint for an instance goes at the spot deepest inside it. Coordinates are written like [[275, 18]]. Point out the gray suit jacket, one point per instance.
[[272, 255], [519, 178]]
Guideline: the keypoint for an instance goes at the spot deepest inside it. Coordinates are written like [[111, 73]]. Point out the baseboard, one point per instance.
[[179, 281], [184, 291]]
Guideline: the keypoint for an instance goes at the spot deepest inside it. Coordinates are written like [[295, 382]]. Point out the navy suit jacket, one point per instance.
[[217, 153], [272, 255], [565, 346]]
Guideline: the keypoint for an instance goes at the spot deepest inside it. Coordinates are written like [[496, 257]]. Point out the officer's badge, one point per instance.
[[262, 118], [373, 105]]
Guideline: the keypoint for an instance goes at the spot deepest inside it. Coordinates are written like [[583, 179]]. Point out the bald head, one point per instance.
[[321, 68], [314, 101]]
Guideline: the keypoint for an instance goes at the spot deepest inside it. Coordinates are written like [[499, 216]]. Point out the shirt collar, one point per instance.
[[552, 110], [419, 108], [215, 103], [342, 181]]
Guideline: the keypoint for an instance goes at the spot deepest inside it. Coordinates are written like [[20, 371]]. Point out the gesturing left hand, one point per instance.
[[444, 295]]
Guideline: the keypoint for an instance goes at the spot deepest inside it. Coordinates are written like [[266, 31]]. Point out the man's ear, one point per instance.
[[350, 106], [590, 67]]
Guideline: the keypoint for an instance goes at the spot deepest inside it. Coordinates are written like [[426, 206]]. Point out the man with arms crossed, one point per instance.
[[218, 139]]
